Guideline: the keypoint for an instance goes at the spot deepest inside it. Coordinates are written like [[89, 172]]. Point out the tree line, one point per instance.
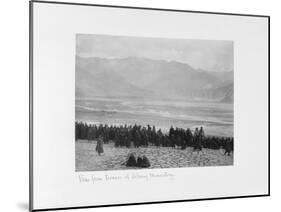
[[137, 135]]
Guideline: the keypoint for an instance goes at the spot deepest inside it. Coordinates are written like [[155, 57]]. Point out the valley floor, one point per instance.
[[113, 158]]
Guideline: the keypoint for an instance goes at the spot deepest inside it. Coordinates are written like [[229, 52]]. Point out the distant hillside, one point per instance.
[[229, 95], [141, 77], [223, 93], [226, 76], [93, 78]]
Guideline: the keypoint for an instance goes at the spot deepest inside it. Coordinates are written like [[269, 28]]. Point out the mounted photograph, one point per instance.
[[144, 102], [126, 102]]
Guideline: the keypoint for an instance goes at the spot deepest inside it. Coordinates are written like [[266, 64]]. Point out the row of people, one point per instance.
[[137, 135]]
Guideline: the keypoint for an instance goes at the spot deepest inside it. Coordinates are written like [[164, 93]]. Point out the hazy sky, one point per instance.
[[209, 55]]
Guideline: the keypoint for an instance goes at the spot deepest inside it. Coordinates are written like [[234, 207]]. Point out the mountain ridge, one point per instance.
[[144, 77]]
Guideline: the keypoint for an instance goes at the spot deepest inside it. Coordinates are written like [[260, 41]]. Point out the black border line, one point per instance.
[[148, 8], [31, 104], [152, 203], [268, 53]]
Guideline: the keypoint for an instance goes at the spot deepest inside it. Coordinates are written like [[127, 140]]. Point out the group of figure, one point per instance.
[[137, 135], [140, 161]]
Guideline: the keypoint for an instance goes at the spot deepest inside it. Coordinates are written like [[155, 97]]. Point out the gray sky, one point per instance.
[[209, 55]]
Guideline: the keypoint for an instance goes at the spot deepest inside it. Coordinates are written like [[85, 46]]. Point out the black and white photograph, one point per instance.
[[149, 102], [135, 105]]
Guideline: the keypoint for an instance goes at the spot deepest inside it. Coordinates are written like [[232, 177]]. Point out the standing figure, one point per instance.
[[172, 136], [197, 140], [201, 137], [159, 138], [99, 147], [228, 148]]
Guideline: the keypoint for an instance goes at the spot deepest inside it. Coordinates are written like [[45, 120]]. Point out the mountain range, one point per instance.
[[148, 78]]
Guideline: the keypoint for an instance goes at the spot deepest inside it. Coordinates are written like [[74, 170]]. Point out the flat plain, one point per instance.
[[114, 158]]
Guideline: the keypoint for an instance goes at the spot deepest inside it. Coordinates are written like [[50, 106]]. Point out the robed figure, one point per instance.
[[99, 147]]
